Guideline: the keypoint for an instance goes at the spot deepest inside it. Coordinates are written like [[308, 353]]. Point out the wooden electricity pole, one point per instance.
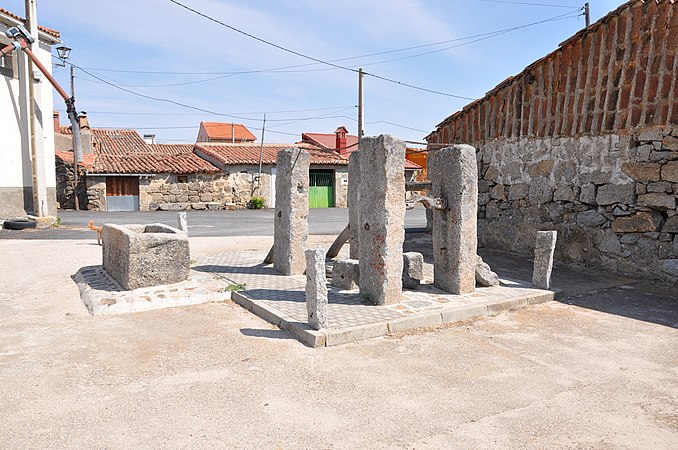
[[587, 14]]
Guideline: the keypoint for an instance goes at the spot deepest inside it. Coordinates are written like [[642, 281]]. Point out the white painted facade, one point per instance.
[[15, 154]]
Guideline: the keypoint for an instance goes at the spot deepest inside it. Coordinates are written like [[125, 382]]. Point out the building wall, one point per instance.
[[585, 141], [200, 191], [15, 159]]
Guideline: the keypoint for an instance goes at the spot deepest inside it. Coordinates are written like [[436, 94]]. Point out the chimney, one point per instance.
[[85, 133], [340, 145], [57, 122], [83, 120], [149, 138]]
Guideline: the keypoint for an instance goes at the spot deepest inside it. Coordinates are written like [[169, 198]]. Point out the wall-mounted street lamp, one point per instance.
[[64, 53]]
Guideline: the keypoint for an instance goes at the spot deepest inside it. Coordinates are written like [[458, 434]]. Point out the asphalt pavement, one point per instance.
[[242, 222]]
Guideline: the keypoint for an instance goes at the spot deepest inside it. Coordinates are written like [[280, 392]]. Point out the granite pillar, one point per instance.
[[290, 230], [454, 177], [381, 219]]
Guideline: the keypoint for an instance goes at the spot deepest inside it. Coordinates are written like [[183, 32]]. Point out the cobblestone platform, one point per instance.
[[280, 300]]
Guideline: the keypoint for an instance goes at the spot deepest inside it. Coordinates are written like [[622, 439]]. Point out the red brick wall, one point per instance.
[[617, 75]]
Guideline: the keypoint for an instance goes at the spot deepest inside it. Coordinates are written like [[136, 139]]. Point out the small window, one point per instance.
[[8, 62], [182, 178]]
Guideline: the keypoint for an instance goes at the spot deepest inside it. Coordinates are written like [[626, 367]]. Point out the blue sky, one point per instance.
[[200, 60]]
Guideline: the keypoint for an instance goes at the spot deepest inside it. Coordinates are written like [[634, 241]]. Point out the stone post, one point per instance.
[[182, 223], [543, 258], [290, 230], [454, 176], [381, 217], [353, 185], [316, 288]]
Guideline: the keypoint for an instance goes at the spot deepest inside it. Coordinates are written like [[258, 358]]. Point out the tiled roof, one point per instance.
[[326, 140], [125, 151], [67, 157], [51, 32], [226, 131], [152, 163], [248, 153]]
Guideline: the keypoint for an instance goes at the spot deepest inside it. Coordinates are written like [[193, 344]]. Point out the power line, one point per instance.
[[531, 4], [320, 61], [200, 114], [283, 68], [280, 47]]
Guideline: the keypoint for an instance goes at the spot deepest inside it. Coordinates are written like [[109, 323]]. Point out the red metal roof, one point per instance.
[[248, 153], [51, 32], [227, 131]]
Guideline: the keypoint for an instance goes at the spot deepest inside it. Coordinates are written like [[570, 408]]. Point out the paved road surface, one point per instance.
[[243, 222]]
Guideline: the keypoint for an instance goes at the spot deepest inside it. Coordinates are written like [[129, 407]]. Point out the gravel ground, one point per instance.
[[598, 369]]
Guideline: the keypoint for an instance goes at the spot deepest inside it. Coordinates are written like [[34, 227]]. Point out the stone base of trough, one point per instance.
[[101, 294]]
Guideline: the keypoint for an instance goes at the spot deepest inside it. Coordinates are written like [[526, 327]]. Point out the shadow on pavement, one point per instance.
[[270, 334]]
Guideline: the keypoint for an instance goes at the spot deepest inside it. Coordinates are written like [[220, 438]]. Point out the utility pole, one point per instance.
[[75, 160], [360, 104], [261, 154], [39, 182], [587, 14]]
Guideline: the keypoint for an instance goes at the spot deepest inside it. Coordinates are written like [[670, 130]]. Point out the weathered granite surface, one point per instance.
[[290, 230], [145, 255], [454, 176], [382, 218], [316, 288], [543, 258], [413, 269], [346, 274]]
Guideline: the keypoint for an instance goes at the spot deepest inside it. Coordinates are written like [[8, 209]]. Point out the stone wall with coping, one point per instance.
[[611, 198], [585, 142]]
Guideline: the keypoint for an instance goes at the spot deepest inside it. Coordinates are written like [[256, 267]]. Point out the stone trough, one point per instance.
[[139, 256]]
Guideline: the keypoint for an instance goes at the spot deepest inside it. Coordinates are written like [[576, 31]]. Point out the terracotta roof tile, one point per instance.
[[125, 151], [152, 163], [51, 32], [327, 140], [248, 153], [226, 131], [67, 157]]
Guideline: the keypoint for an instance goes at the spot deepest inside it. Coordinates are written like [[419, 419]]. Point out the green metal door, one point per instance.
[[321, 189]]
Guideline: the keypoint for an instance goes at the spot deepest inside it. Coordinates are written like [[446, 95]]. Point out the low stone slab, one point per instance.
[[346, 274], [145, 255], [413, 269], [484, 275]]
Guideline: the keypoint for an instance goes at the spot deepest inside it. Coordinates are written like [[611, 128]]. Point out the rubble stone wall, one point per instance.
[[611, 198], [585, 142]]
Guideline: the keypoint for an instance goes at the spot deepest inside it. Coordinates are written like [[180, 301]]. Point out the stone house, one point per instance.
[[345, 144], [16, 159], [124, 173], [585, 141], [240, 164]]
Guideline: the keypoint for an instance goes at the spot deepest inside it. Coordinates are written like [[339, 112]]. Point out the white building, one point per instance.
[[16, 191]]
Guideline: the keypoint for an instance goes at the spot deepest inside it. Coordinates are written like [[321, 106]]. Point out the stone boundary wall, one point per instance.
[[585, 142], [201, 191], [611, 198]]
